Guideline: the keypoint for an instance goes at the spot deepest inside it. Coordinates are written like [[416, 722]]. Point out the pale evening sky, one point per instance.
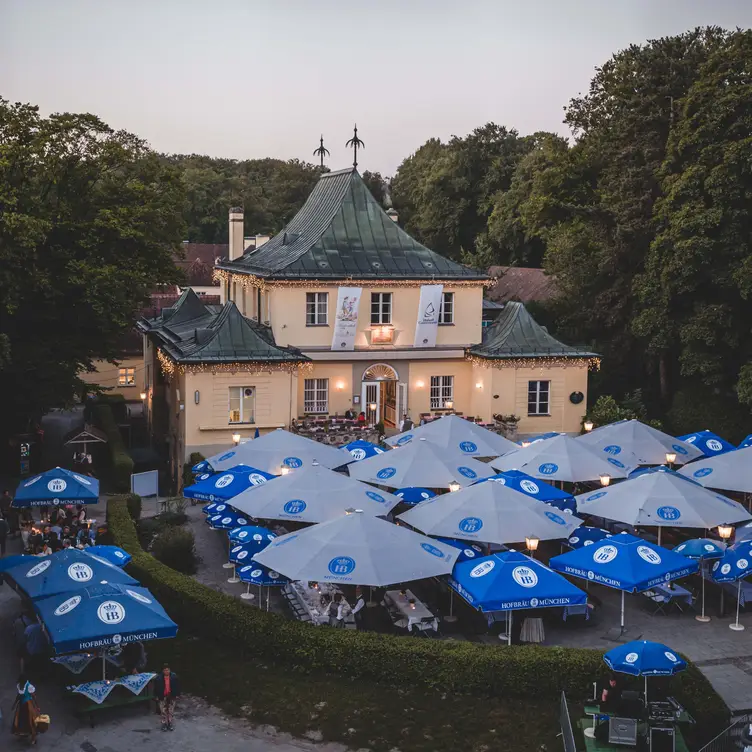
[[258, 78]]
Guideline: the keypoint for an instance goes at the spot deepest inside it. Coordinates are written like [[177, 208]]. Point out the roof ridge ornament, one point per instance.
[[322, 151], [356, 144]]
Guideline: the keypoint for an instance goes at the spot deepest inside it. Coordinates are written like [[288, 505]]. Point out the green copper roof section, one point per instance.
[[516, 334], [341, 232], [191, 332]]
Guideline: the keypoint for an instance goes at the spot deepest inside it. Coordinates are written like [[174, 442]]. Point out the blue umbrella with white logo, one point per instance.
[[746, 442], [734, 566], [362, 450], [535, 488], [228, 484], [709, 443], [624, 562], [538, 437], [251, 533], [359, 549], [421, 464], [644, 658], [468, 551], [563, 458], [456, 434], [413, 495], [701, 549], [64, 571], [313, 494], [114, 554], [659, 469], [490, 513], [260, 576], [730, 471], [56, 486], [242, 553], [586, 536], [226, 520]]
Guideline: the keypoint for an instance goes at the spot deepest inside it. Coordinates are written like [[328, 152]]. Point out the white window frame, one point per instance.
[[442, 391], [381, 308], [237, 392], [538, 397], [126, 377], [316, 396], [318, 314], [446, 310]]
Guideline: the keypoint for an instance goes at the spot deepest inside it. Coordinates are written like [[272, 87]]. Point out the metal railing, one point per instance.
[[728, 739]]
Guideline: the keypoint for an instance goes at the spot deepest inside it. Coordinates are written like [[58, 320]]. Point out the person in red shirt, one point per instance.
[[166, 691]]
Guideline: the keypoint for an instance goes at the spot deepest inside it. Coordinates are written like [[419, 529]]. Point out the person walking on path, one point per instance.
[[167, 690], [25, 710]]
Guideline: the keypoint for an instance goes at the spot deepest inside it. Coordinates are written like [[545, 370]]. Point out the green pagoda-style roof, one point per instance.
[[341, 232], [193, 333], [516, 334]]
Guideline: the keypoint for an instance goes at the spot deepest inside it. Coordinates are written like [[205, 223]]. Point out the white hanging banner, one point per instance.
[[428, 315], [346, 318]]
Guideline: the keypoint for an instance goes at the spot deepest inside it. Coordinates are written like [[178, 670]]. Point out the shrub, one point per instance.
[[122, 464], [133, 502], [194, 459], [175, 547], [461, 667]]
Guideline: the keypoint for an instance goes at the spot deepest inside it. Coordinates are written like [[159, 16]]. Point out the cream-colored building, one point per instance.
[[343, 310]]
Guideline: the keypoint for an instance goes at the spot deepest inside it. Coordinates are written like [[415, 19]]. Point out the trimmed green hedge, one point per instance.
[[122, 463], [461, 667]]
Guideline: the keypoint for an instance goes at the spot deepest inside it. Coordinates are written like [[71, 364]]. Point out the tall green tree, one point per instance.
[[377, 185], [89, 220]]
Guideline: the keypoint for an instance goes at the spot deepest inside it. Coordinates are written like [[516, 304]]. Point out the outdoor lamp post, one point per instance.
[[284, 471], [525, 444], [143, 396], [531, 541], [725, 531], [670, 458], [588, 425], [454, 486], [449, 405], [236, 439], [605, 479]]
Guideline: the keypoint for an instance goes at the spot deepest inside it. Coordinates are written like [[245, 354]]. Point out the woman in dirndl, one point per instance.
[[25, 710]]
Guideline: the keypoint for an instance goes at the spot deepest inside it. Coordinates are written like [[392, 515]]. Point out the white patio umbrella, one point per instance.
[[648, 445], [731, 471], [562, 458], [278, 451], [490, 513], [314, 494], [359, 549], [454, 432], [421, 464], [663, 500]]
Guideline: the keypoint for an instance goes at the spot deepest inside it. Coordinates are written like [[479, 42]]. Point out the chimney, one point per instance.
[[392, 214], [236, 233]]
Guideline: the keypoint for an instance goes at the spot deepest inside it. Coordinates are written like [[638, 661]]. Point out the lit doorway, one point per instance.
[[380, 395]]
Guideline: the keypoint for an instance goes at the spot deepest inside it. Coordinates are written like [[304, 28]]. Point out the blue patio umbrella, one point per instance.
[[256, 434], [223, 486], [202, 467], [113, 554], [708, 443], [226, 520], [747, 442], [414, 495], [209, 508], [101, 616], [644, 658], [242, 553], [57, 486], [256, 574], [251, 533], [62, 572], [536, 488], [538, 437], [624, 562], [586, 536], [8, 562], [659, 469], [701, 549], [734, 566], [362, 450], [468, 551]]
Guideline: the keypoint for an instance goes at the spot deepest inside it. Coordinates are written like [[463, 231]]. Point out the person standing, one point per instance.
[[4, 533], [167, 690], [359, 608], [406, 424], [25, 710]]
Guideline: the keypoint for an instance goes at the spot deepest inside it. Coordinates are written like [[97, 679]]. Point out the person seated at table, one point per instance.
[[349, 414], [46, 530], [610, 694], [67, 535], [134, 657], [54, 543], [361, 418]]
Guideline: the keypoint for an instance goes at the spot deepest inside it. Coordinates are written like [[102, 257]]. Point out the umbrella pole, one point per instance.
[[371, 602], [104, 667], [268, 590], [622, 612], [248, 595], [451, 618], [659, 535], [736, 626], [234, 579], [702, 616], [646, 691]]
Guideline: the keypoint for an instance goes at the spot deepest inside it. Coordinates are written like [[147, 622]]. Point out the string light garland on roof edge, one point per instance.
[[250, 280], [593, 364], [170, 367]]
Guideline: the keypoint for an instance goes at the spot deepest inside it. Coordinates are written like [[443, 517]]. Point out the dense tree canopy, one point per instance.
[[89, 219]]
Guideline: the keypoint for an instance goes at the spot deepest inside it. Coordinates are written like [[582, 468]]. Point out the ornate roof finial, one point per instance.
[[356, 144], [321, 151]]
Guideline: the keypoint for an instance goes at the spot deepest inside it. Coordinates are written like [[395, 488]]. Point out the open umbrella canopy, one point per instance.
[[538, 437], [242, 553], [414, 495], [227, 520], [114, 554], [700, 548], [731, 471], [422, 464], [747, 442], [537, 489], [275, 451], [709, 443], [313, 494], [562, 458], [509, 581], [490, 513], [63, 572], [643, 658], [586, 536], [743, 533], [359, 549], [57, 486], [362, 450], [249, 533], [624, 562], [457, 434], [255, 574], [467, 550], [216, 508], [646, 444], [225, 485], [103, 615], [637, 472], [661, 499], [735, 564]]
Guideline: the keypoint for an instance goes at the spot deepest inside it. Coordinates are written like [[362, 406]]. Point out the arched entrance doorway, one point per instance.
[[382, 395]]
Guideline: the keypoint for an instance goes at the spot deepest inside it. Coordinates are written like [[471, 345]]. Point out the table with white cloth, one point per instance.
[[309, 600], [532, 630], [411, 610]]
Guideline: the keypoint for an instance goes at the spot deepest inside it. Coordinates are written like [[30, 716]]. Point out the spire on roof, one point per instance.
[[356, 144], [322, 151]]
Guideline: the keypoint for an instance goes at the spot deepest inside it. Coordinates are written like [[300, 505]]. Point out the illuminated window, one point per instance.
[[442, 391], [126, 377], [316, 396], [242, 404], [538, 397]]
